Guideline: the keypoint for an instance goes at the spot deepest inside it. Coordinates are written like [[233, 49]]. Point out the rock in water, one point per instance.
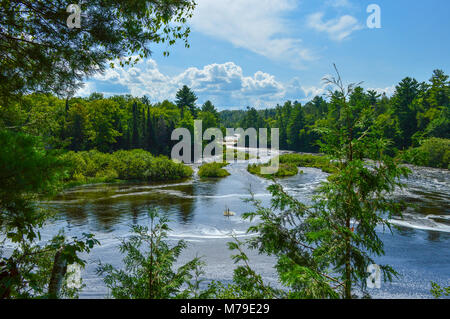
[[228, 213]]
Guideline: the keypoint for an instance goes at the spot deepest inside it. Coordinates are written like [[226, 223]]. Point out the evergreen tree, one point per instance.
[[185, 98], [143, 135], [209, 107], [294, 128], [148, 271], [135, 127], [405, 93], [150, 132], [323, 250], [162, 136]]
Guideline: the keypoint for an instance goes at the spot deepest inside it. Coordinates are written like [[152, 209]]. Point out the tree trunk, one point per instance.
[[58, 272], [348, 279]]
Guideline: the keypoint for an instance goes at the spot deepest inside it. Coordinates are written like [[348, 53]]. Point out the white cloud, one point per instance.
[[295, 90], [224, 84], [255, 25], [337, 29]]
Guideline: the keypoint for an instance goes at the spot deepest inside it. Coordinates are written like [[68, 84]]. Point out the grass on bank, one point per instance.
[[90, 167], [214, 169], [289, 163]]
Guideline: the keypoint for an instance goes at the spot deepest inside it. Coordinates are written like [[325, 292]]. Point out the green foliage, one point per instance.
[[185, 99], [210, 108], [214, 169], [26, 273], [284, 170], [289, 163], [433, 152], [438, 291], [323, 250], [148, 265], [27, 169], [138, 165], [101, 130], [308, 160], [58, 57], [284, 235], [416, 111]]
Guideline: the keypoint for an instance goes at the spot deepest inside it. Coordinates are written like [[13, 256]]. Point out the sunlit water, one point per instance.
[[419, 250]]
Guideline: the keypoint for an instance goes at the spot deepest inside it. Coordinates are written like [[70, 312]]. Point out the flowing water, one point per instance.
[[419, 250]]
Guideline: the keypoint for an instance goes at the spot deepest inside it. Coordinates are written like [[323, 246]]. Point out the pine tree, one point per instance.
[[135, 127], [143, 135], [186, 98], [323, 249], [405, 93], [150, 132], [295, 125]]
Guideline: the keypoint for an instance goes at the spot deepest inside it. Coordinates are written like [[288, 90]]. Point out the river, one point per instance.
[[419, 249]]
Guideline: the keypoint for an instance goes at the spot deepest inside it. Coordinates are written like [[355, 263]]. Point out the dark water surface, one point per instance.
[[419, 250]]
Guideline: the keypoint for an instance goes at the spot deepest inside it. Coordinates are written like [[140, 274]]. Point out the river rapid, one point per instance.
[[419, 249]]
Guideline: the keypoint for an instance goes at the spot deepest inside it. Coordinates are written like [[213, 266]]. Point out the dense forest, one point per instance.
[[416, 114]]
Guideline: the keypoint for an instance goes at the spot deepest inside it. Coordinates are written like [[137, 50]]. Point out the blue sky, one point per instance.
[[263, 52]]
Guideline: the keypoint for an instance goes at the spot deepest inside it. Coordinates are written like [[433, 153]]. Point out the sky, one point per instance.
[[261, 53]]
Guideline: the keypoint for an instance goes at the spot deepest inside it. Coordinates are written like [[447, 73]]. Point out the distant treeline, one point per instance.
[[417, 111]]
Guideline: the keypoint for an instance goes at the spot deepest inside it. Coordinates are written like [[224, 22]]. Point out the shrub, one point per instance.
[[289, 163], [96, 167], [284, 170], [308, 160], [433, 152], [213, 170], [149, 265]]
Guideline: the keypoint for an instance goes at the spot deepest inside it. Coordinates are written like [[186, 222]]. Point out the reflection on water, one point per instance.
[[196, 207]]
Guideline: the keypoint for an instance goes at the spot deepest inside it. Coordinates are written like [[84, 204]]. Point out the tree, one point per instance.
[[145, 100], [76, 126], [29, 171], [433, 118], [251, 119], [162, 136], [150, 137], [353, 201], [323, 249], [185, 98], [294, 128], [438, 291], [135, 127], [102, 127], [149, 261], [405, 93], [209, 107], [41, 53]]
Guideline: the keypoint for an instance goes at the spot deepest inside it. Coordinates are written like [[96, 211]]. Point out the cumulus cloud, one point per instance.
[[255, 25], [337, 29], [225, 84], [295, 90]]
